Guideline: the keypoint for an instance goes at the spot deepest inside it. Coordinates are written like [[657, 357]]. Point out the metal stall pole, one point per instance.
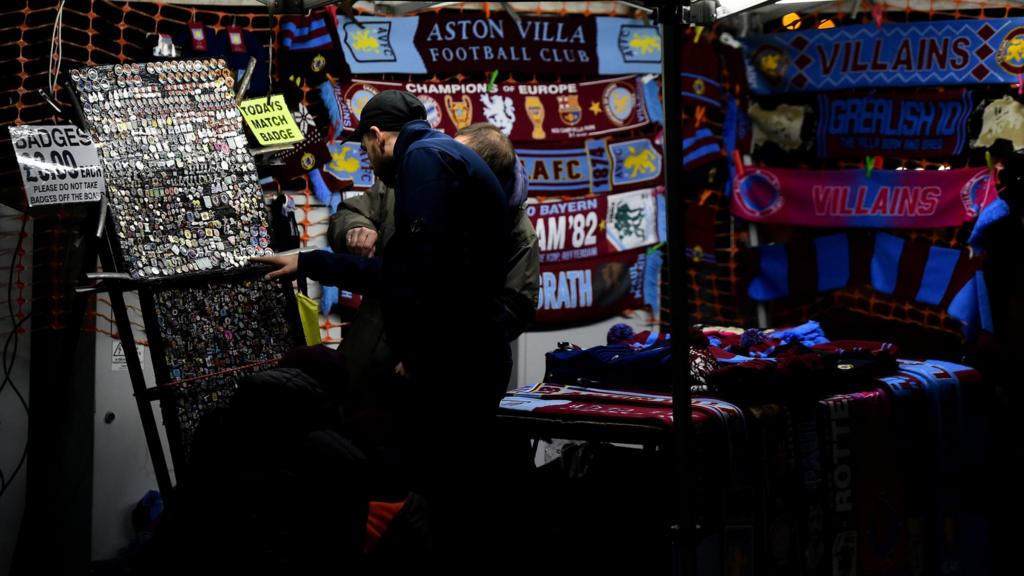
[[670, 15]]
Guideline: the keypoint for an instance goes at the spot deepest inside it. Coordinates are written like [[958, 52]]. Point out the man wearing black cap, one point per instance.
[[363, 225], [445, 267]]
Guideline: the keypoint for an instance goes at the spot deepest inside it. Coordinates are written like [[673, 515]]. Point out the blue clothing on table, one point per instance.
[[808, 334]]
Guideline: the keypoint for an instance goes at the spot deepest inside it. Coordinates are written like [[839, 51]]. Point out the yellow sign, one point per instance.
[[270, 120]]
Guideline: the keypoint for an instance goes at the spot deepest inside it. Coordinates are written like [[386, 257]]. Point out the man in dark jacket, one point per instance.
[[363, 225], [445, 268]]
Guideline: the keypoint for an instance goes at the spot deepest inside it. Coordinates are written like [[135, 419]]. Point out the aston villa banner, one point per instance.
[[854, 125], [306, 156], [601, 165], [584, 394], [611, 410], [457, 42], [583, 228], [909, 270], [937, 53], [524, 112], [350, 162], [849, 198], [596, 288]]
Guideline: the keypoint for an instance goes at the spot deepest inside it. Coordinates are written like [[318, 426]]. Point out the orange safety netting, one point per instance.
[[99, 32], [104, 31], [717, 293], [94, 32]]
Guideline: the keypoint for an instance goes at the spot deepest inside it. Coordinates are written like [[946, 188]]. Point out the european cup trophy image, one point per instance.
[[535, 111]]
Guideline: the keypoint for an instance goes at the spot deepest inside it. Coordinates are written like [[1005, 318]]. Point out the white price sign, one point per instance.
[[59, 164]]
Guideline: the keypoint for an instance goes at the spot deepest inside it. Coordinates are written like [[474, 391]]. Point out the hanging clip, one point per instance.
[[46, 98], [697, 31], [493, 79], [869, 165]]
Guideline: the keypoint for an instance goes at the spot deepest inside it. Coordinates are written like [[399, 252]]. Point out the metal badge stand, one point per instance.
[[139, 389], [116, 284], [116, 281]]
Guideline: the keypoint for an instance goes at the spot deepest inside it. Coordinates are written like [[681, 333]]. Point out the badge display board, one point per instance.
[[185, 405], [209, 328], [205, 338], [186, 213], [181, 185]]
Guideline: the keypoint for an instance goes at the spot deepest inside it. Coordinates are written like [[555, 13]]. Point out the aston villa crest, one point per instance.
[[634, 161], [317, 63], [619, 103], [640, 43], [308, 161], [772, 62], [975, 194], [369, 41], [759, 192], [1011, 52], [357, 96], [348, 162]]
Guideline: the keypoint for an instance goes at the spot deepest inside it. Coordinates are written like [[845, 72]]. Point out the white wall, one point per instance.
[[122, 469], [13, 419]]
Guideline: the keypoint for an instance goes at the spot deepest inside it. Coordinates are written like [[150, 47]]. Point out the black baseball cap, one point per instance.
[[388, 110]]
